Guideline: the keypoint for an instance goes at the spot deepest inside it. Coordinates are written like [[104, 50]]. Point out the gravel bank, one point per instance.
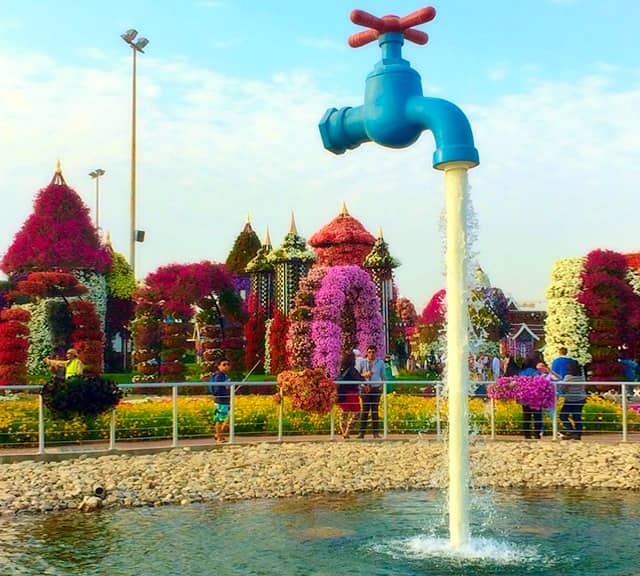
[[183, 476]]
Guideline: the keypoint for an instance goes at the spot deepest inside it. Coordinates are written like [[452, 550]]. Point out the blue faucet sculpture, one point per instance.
[[395, 112]]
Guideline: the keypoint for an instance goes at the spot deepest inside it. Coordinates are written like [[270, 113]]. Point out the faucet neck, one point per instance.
[[391, 46]]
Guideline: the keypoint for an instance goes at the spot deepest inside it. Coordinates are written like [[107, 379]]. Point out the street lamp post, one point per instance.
[[95, 174], [136, 46]]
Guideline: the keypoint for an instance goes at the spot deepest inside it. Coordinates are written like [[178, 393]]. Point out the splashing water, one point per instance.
[[477, 549]]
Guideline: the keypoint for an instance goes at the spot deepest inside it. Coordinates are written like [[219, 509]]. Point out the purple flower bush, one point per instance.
[[504, 388], [536, 392]]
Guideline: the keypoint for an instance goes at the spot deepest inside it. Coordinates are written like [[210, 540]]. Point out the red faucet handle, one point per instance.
[[421, 16], [361, 38], [390, 23]]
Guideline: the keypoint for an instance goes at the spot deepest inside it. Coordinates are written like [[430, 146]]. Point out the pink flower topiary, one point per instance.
[[59, 234]]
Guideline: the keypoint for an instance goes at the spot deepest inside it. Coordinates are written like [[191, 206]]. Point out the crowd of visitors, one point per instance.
[[361, 381]]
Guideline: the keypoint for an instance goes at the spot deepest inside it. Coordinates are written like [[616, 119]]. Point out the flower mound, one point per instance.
[[504, 388], [310, 389], [533, 391]]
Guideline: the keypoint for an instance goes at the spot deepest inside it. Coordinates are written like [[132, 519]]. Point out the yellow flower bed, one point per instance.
[[256, 414]]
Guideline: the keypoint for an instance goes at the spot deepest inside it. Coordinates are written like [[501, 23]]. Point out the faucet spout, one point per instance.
[[450, 127], [343, 129]]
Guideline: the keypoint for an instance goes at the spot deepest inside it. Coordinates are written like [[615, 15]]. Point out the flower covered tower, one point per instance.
[[244, 249], [60, 236], [291, 262], [343, 241], [261, 273], [380, 265]]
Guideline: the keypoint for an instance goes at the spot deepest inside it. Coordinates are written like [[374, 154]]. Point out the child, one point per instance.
[[220, 391]]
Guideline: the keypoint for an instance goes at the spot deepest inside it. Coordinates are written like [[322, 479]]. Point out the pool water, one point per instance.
[[395, 533]]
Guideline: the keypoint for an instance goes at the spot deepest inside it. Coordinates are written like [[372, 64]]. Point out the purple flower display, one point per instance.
[[344, 287], [536, 392], [504, 388]]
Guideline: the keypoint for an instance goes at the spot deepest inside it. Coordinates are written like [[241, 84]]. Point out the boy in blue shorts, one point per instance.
[[220, 391]]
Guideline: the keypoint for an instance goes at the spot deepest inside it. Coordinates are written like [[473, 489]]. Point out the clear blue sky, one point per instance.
[[230, 93]]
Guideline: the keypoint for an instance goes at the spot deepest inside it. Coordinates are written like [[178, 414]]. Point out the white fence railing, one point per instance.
[[597, 422]]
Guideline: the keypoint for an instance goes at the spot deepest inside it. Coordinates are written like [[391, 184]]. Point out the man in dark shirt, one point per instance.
[[220, 391]]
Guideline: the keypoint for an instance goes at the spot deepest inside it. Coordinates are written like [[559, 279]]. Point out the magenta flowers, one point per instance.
[[536, 392], [344, 291]]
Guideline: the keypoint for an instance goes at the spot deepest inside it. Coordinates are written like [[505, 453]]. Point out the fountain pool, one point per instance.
[[395, 533]]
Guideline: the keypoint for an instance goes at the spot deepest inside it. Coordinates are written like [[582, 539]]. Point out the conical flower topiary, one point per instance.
[[59, 234], [244, 249]]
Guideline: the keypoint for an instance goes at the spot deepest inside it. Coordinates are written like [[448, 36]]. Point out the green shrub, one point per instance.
[[80, 396]]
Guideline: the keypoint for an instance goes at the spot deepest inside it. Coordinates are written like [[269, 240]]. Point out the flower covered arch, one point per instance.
[[345, 314]]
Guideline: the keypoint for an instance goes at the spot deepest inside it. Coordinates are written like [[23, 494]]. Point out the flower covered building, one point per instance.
[[324, 301]]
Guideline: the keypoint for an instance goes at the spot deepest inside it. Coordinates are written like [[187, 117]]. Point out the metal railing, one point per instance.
[[484, 421]]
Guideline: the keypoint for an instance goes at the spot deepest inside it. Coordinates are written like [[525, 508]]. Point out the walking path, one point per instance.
[[96, 449]]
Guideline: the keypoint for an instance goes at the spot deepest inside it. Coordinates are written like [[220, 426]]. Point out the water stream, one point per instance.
[[457, 368]]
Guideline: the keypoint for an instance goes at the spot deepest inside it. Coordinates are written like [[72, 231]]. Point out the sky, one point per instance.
[[230, 93]]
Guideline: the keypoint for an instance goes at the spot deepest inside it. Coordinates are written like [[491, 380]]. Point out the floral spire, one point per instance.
[[266, 241], [292, 226], [380, 257], [260, 262], [294, 247]]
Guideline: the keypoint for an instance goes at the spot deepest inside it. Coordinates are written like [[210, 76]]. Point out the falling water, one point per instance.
[[456, 190]]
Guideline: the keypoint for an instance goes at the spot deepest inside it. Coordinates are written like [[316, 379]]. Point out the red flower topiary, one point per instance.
[[612, 309], [434, 312], [87, 337], [254, 334], [59, 234], [49, 285], [14, 346], [342, 241], [277, 343]]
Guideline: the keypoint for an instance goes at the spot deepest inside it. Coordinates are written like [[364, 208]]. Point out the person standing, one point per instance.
[[371, 369], [495, 367], [348, 393], [510, 366], [559, 364], [575, 396], [221, 393], [73, 366]]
